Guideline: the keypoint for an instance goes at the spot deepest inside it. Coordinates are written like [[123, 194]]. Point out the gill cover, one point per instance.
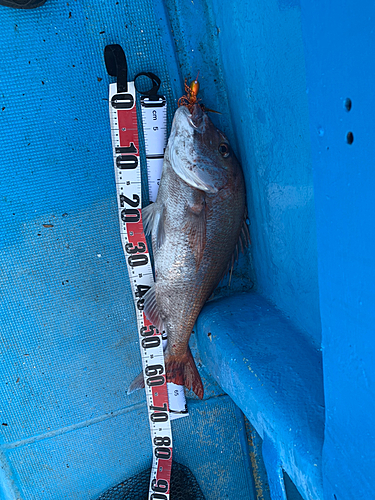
[[186, 150]]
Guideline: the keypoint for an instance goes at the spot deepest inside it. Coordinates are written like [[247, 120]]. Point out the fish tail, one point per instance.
[[180, 371], [183, 371]]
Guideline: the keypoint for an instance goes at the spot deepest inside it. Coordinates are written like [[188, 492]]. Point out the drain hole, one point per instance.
[[349, 138], [348, 104]]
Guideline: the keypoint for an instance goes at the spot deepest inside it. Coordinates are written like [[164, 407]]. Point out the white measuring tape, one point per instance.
[[154, 119], [123, 117]]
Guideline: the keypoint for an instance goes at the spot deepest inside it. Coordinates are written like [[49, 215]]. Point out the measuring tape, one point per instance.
[[123, 117], [154, 119]]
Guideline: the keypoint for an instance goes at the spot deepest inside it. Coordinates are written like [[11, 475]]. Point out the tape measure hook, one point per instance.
[[115, 62]]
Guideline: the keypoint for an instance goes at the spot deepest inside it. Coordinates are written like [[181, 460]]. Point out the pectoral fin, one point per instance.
[[195, 228]]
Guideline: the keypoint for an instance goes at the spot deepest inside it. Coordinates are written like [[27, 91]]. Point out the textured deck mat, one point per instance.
[[68, 343]]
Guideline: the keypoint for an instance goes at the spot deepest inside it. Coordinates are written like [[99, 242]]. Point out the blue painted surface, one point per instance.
[[68, 343], [274, 374], [339, 37], [198, 50], [253, 62], [274, 470], [263, 69]]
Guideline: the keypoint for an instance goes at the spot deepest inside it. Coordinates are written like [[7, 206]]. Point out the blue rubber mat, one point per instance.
[[68, 343]]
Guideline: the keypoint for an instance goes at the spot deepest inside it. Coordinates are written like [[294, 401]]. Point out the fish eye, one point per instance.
[[224, 149]]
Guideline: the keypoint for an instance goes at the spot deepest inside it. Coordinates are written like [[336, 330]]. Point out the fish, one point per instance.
[[197, 224]]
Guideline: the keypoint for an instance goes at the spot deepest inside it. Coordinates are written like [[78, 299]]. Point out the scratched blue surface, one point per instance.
[[68, 342]]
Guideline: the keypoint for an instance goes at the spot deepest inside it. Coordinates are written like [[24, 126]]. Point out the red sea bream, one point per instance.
[[196, 223]]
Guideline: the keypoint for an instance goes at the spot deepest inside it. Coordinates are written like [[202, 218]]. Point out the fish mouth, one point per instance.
[[196, 117]]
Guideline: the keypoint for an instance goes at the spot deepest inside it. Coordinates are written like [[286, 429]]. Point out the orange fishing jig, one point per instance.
[[190, 96]]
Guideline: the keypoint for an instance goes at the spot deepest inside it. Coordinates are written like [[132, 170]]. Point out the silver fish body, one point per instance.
[[196, 223]]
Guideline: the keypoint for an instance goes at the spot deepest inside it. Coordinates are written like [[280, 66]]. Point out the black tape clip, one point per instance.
[[155, 80], [150, 98]]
